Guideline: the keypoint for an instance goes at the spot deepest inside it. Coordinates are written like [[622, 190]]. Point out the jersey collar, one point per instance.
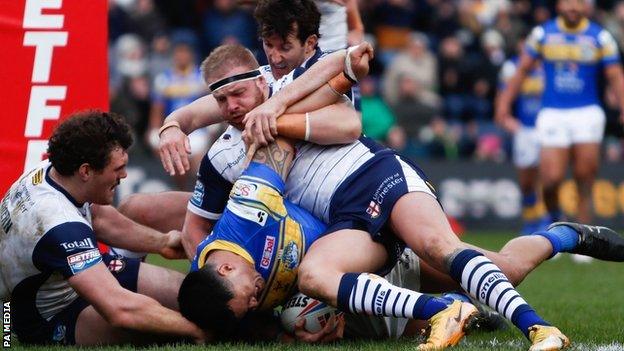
[[582, 26], [62, 190], [226, 246]]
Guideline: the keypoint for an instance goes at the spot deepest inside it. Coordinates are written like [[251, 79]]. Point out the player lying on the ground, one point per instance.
[[430, 235], [260, 239], [60, 287]]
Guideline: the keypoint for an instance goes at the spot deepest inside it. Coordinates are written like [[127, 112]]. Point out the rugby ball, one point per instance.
[[315, 313]]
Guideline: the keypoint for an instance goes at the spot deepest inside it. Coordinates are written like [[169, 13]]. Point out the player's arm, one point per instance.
[[260, 123], [174, 146], [354, 23], [115, 229], [124, 309], [615, 76], [507, 122], [338, 123], [195, 229], [509, 94]]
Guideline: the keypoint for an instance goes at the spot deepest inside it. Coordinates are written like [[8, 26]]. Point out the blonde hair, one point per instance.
[[224, 58]]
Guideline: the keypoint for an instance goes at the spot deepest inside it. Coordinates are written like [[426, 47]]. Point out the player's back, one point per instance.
[[267, 231], [31, 213]]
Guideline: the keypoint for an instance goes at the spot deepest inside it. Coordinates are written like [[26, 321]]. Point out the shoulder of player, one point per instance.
[[52, 208]]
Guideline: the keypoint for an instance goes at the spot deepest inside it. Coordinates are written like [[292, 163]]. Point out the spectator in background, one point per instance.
[[393, 24], [416, 62], [160, 55], [225, 23], [377, 118], [129, 59], [132, 101], [146, 20], [176, 87], [453, 78]]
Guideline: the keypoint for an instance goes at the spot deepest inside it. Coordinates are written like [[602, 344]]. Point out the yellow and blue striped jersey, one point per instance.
[[268, 231], [572, 59]]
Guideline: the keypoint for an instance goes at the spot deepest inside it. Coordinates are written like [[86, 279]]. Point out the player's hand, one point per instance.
[[510, 124], [360, 56], [173, 248], [261, 123], [333, 330], [174, 148]]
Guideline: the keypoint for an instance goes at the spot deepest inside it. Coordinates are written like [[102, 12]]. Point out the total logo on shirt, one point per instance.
[[86, 243]]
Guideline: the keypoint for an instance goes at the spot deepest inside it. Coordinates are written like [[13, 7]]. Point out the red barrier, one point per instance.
[[54, 62]]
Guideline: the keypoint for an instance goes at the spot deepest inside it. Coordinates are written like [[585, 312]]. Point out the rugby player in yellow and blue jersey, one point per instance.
[[526, 146], [574, 52]]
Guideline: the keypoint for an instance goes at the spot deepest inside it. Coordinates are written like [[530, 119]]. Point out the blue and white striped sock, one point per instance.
[[484, 280], [373, 295]]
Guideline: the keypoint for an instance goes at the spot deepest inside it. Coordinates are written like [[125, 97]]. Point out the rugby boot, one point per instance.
[[547, 338], [595, 241], [447, 327]]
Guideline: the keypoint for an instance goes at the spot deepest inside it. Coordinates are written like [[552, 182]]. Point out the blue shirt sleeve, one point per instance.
[[211, 192], [68, 248]]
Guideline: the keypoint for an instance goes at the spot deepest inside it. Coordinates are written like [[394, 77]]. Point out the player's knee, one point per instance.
[[437, 247]]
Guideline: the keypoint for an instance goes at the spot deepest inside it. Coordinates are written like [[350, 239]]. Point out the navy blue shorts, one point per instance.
[[364, 201], [31, 328]]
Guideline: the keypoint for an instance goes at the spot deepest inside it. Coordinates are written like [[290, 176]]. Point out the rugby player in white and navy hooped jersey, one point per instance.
[[575, 52], [60, 287]]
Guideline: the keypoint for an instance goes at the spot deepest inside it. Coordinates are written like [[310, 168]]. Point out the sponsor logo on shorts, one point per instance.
[[267, 254], [117, 265], [374, 210], [59, 333], [83, 260], [70, 246], [290, 256], [386, 185]]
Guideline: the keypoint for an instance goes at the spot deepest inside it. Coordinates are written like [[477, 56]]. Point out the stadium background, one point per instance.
[[430, 93]]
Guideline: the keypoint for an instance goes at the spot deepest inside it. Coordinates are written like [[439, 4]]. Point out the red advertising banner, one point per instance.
[[54, 62]]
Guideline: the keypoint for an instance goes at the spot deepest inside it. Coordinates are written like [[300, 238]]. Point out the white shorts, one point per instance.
[[405, 274], [526, 147], [565, 127]]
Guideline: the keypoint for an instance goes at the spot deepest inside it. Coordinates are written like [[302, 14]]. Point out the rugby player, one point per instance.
[[366, 192], [574, 52], [62, 290], [525, 142]]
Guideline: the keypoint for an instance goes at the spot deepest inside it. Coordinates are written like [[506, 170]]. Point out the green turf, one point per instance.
[[585, 300]]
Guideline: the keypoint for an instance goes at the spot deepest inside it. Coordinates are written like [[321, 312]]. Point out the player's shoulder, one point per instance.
[[227, 154], [267, 73]]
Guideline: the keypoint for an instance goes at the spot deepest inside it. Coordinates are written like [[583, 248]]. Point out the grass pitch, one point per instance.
[[586, 301]]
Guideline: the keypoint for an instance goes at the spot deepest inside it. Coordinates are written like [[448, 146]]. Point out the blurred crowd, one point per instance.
[[432, 84]]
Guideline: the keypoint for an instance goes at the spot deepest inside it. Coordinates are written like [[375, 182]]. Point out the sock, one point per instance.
[[485, 282], [561, 237], [373, 295], [453, 296], [529, 211]]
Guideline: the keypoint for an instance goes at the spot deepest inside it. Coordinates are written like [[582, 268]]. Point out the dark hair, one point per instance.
[[283, 17], [203, 299], [87, 137]]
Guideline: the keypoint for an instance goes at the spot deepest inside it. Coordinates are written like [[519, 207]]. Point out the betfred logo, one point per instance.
[[79, 244], [83, 260], [267, 254]]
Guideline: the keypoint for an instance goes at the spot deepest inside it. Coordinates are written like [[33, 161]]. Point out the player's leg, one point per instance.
[[418, 220], [160, 283], [163, 211], [526, 159], [585, 158], [327, 273], [587, 126], [552, 169]]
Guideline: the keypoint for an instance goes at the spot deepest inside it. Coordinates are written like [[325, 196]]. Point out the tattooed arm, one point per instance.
[[278, 156]]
